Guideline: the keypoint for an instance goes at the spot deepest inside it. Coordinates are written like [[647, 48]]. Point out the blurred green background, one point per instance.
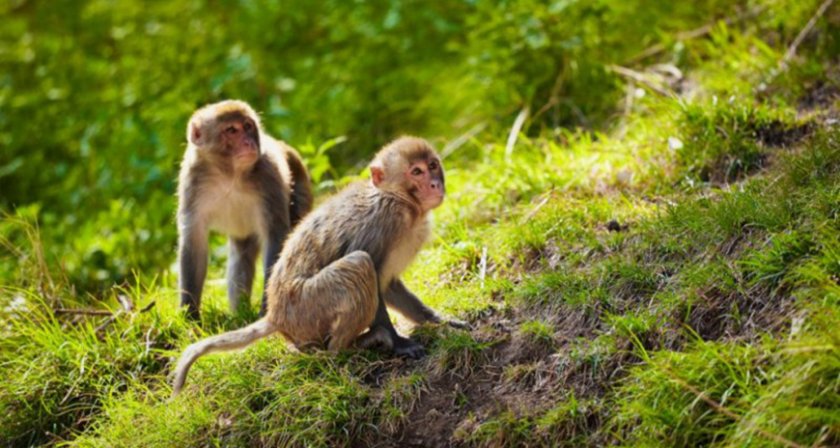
[[654, 262], [95, 95]]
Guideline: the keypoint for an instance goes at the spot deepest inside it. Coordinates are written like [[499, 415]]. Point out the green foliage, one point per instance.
[[57, 373], [318, 162], [563, 425], [305, 400], [458, 354], [675, 398], [538, 332], [721, 140], [652, 260], [96, 93], [551, 56], [801, 401]]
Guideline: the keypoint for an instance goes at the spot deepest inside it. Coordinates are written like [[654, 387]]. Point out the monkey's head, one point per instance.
[[410, 164], [227, 131]]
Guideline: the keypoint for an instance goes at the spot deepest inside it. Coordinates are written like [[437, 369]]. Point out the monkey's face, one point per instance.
[[425, 177], [410, 164], [239, 141], [227, 132]]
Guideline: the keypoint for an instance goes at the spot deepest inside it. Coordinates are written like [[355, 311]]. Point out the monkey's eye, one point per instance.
[[248, 126], [231, 130], [433, 165], [416, 172]]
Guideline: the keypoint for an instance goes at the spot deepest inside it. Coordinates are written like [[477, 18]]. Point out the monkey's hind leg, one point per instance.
[[240, 270], [346, 291], [376, 336]]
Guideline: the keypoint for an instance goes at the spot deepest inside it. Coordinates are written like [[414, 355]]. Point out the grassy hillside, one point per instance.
[[652, 259]]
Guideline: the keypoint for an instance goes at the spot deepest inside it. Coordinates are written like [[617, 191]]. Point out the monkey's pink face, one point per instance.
[[427, 184], [240, 140]]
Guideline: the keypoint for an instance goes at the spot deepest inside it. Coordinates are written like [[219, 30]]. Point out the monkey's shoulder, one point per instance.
[[194, 176], [358, 195], [277, 153], [363, 203], [192, 167]]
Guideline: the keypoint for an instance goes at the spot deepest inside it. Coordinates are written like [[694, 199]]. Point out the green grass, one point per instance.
[[667, 279]]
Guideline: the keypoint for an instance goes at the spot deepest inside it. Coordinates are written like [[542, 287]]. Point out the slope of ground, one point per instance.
[[673, 282]]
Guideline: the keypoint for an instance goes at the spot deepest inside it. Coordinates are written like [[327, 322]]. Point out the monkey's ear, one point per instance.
[[194, 133], [376, 175]]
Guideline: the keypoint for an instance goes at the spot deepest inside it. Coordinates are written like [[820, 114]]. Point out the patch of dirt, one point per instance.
[[378, 372], [432, 421], [821, 95], [537, 259], [735, 316], [730, 169], [780, 135], [522, 377], [744, 315], [518, 374], [771, 136]]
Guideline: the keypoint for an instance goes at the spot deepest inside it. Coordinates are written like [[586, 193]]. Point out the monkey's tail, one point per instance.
[[231, 340]]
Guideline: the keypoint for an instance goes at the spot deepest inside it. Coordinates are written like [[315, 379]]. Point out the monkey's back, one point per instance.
[[360, 217], [357, 218]]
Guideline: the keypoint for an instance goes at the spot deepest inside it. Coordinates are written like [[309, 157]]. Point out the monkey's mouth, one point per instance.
[[434, 200], [247, 153]]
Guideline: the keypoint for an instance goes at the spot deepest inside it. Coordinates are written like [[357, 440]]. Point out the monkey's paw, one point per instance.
[[459, 324], [408, 349]]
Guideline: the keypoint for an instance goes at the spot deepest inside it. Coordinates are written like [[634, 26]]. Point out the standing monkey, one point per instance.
[[341, 265], [237, 180]]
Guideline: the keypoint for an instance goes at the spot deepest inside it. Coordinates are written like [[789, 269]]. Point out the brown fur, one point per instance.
[[342, 263], [255, 204]]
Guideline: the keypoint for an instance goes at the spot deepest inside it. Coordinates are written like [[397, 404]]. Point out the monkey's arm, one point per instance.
[[409, 305], [301, 197], [382, 324], [192, 260]]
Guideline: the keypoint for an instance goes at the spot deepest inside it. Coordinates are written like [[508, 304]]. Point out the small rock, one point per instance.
[[674, 143], [625, 176], [615, 226]]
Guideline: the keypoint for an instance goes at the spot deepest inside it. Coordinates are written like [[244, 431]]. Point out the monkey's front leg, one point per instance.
[[382, 326], [409, 305], [192, 260]]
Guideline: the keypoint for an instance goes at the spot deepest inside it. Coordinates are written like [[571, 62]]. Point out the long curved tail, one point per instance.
[[231, 340]]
